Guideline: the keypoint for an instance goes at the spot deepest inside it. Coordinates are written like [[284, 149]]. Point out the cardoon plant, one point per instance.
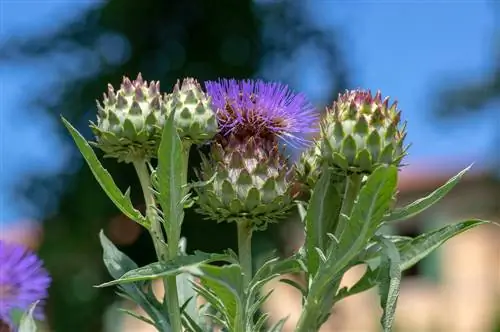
[[350, 170]]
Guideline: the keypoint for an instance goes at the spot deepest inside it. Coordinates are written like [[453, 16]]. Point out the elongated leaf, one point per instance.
[[28, 323], [115, 261], [410, 253], [118, 264], [102, 176], [424, 203], [373, 202], [170, 173], [226, 284], [426, 243], [170, 268], [322, 215], [390, 280]]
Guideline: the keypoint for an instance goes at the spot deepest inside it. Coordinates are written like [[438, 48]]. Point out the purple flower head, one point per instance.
[[262, 109], [23, 281]]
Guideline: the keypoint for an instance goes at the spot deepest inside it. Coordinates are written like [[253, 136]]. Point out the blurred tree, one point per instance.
[[164, 40]]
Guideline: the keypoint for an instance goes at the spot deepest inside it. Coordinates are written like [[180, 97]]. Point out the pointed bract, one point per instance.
[[361, 132], [194, 117], [130, 121]]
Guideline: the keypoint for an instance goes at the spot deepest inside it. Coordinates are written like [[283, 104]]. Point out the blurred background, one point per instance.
[[439, 59]]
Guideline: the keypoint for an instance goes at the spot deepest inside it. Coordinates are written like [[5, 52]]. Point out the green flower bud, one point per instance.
[[194, 117], [252, 182], [129, 121], [361, 132], [308, 167]]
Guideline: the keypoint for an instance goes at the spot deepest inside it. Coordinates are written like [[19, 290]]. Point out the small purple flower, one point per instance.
[[265, 109], [23, 281]]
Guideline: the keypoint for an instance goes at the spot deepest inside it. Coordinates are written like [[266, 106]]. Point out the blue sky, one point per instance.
[[400, 47]]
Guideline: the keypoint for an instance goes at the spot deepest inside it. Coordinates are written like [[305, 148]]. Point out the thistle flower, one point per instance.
[[361, 132], [260, 109], [23, 281], [194, 118], [129, 121], [253, 179]]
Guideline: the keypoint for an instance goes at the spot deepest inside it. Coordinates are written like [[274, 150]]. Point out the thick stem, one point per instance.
[[169, 283], [155, 230], [245, 250], [352, 187], [351, 193]]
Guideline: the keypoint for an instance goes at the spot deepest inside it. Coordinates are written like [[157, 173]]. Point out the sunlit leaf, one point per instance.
[[424, 203], [122, 201]]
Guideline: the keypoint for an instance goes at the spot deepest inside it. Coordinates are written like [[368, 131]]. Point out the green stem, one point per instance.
[[169, 283], [155, 230], [352, 187], [245, 250], [308, 320]]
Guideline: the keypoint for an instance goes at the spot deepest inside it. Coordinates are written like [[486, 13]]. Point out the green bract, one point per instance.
[[252, 182], [194, 118], [129, 121], [361, 132]]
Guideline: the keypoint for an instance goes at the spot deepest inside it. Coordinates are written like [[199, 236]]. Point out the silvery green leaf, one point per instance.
[[118, 264], [169, 268], [170, 173], [411, 252], [322, 215], [122, 201], [27, 323], [373, 201], [390, 280], [222, 287], [424, 203]]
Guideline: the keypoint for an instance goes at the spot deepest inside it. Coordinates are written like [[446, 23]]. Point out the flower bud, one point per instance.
[[130, 120], [361, 132], [252, 182], [194, 117]]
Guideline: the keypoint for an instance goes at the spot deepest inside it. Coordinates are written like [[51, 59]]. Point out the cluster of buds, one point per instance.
[[130, 121], [253, 178]]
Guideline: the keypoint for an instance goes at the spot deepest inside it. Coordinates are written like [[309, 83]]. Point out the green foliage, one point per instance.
[[27, 323], [424, 203], [122, 201]]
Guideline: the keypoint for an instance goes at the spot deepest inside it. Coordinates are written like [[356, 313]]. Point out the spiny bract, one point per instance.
[[130, 120], [361, 132], [252, 182], [194, 118]]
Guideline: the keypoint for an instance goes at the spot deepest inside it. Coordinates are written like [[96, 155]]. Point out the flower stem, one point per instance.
[[155, 230], [351, 193], [352, 187], [245, 250], [169, 283]]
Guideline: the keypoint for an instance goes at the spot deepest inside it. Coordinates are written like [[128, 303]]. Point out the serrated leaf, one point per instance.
[[424, 203], [321, 217], [115, 261], [122, 201], [118, 264], [27, 323], [225, 284], [169, 268], [373, 202], [170, 176], [390, 280], [410, 253]]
